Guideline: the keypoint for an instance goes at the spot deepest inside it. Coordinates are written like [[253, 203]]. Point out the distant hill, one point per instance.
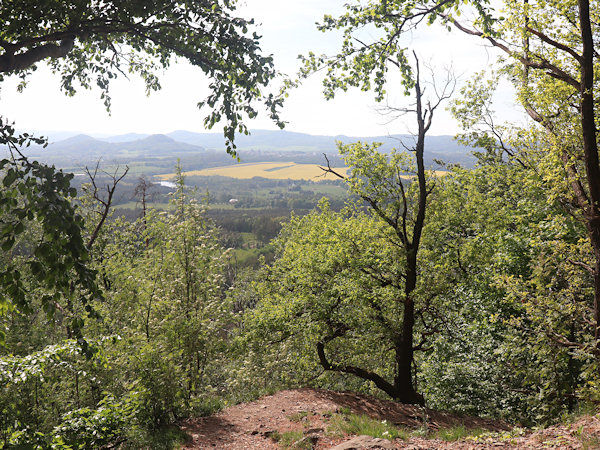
[[78, 143], [86, 147], [444, 148], [200, 150], [282, 139]]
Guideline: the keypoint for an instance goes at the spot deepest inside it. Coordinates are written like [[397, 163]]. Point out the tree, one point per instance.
[[87, 42], [58, 261], [160, 348], [553, 47], [503, 246], [167, 298], [366, 66], [143, 194], [552, 60], [355, 274], [336, 300]]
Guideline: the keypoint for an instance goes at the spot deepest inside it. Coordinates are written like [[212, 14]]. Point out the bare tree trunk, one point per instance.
[[409, 234], [405, 350]]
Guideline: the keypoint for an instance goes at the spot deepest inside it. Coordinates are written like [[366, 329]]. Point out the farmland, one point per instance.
[[268, 170]]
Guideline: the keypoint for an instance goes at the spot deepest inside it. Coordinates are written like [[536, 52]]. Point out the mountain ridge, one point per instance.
[[279, 144], [265, 139]]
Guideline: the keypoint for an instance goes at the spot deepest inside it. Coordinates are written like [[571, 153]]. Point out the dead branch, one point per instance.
[[104, 202]]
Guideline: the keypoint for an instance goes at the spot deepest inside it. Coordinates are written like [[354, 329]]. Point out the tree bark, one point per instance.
[[590, 151], [10, 62]]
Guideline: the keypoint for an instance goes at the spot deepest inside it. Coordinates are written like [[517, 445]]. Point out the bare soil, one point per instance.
[[256, 425]]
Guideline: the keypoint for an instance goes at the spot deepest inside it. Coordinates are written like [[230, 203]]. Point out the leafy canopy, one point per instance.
[[58, 258], [92, 42]]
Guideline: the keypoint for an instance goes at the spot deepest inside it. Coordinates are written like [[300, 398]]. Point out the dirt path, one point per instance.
[[308, 412], [257, 425]]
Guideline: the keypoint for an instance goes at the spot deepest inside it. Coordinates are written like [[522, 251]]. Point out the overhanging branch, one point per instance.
[[10, 62]]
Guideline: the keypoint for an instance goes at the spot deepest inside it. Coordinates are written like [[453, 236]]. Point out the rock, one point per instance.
[[301, 443], [269, 433], [364, 442]]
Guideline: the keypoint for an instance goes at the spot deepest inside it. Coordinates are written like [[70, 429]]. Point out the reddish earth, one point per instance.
[[256, 425]]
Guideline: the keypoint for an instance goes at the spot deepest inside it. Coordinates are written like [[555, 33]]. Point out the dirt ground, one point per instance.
[[255, 425]]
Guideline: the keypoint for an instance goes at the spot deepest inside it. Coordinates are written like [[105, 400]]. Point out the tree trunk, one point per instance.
[[403, 383], [405, 350], [590, 151]]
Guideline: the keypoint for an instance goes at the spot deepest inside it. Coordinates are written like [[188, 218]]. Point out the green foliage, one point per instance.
[[313, 287], [290, 440], [373, 33], [167, 275], [94, 43], [503, 301], [159, 348], [500, 233], [168, 438], [457, 433], [84, 428], [338, 281], [36, 196], [105, 426], [27, 383]]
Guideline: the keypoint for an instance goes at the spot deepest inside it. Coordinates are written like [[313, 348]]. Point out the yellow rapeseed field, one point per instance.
[[271, 170]]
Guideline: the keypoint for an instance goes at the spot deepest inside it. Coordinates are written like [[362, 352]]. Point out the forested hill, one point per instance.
[[181, 143]]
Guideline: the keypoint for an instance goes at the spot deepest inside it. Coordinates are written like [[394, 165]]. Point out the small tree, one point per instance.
[[363, 270], [143, 193]]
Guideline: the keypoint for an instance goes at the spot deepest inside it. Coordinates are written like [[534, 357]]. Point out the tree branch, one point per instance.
[[555, 44], [105, 203], [9, 62], [583, 265], [554, 71], [379, 381]]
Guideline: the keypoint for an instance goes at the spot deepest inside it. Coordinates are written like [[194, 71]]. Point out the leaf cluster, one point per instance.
[[94, 42]]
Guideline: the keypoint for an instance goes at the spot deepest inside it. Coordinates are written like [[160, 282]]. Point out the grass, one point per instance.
[[582, 409], [589, 441], [344, 422], [291, 440], [168, 438], [206, 406], [457, 433], [300, 416], [341, 424]]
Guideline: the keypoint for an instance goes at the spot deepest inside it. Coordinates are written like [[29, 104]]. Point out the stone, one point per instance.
[[364, 442]]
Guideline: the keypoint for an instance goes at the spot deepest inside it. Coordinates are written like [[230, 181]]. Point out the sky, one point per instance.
[[288, 29]]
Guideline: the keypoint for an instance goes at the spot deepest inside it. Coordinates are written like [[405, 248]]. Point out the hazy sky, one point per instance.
[[288, 29]]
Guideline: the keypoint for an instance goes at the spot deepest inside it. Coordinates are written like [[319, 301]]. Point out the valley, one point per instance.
[[279, 172]]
